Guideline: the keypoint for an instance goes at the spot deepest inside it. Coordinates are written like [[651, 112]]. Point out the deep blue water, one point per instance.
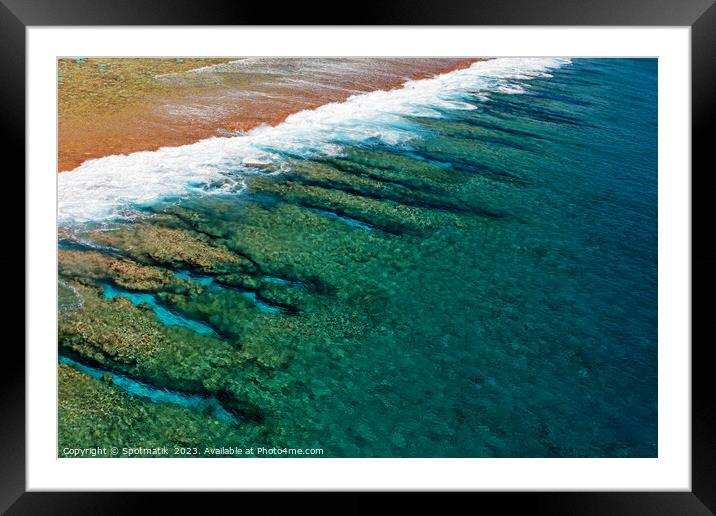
[[535, 335]]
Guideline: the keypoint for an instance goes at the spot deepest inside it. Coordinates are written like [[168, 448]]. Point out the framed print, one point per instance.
[[443, 250]]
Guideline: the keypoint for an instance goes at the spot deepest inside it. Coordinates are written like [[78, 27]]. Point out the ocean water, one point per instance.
[[464, 267], [205, 404], [164, 315]]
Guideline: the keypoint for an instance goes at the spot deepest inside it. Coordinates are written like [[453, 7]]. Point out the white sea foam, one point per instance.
[[113, 186]]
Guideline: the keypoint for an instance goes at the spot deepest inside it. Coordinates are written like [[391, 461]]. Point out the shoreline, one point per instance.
[[319, 297], [115, 106]]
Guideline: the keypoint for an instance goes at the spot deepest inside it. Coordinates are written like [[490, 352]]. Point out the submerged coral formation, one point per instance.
[[465, 295]]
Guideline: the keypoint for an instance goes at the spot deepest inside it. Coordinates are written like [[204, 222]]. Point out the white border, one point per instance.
[[670, 471]]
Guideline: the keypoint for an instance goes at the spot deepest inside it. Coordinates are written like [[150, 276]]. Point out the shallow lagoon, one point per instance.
[[485, 288]]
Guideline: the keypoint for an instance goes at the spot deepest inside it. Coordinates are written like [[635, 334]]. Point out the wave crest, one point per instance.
[[110, 187]]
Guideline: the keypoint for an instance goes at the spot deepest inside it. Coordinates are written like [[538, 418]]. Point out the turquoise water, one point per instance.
[[483, 284], [133, 387], [165, 316], [208, 281], [261, 305], [345, 220]]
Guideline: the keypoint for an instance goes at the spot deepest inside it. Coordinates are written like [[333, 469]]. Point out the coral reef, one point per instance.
[[469, 293]]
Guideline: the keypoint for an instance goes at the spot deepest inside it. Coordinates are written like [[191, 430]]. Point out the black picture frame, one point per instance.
[[700, 15]]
